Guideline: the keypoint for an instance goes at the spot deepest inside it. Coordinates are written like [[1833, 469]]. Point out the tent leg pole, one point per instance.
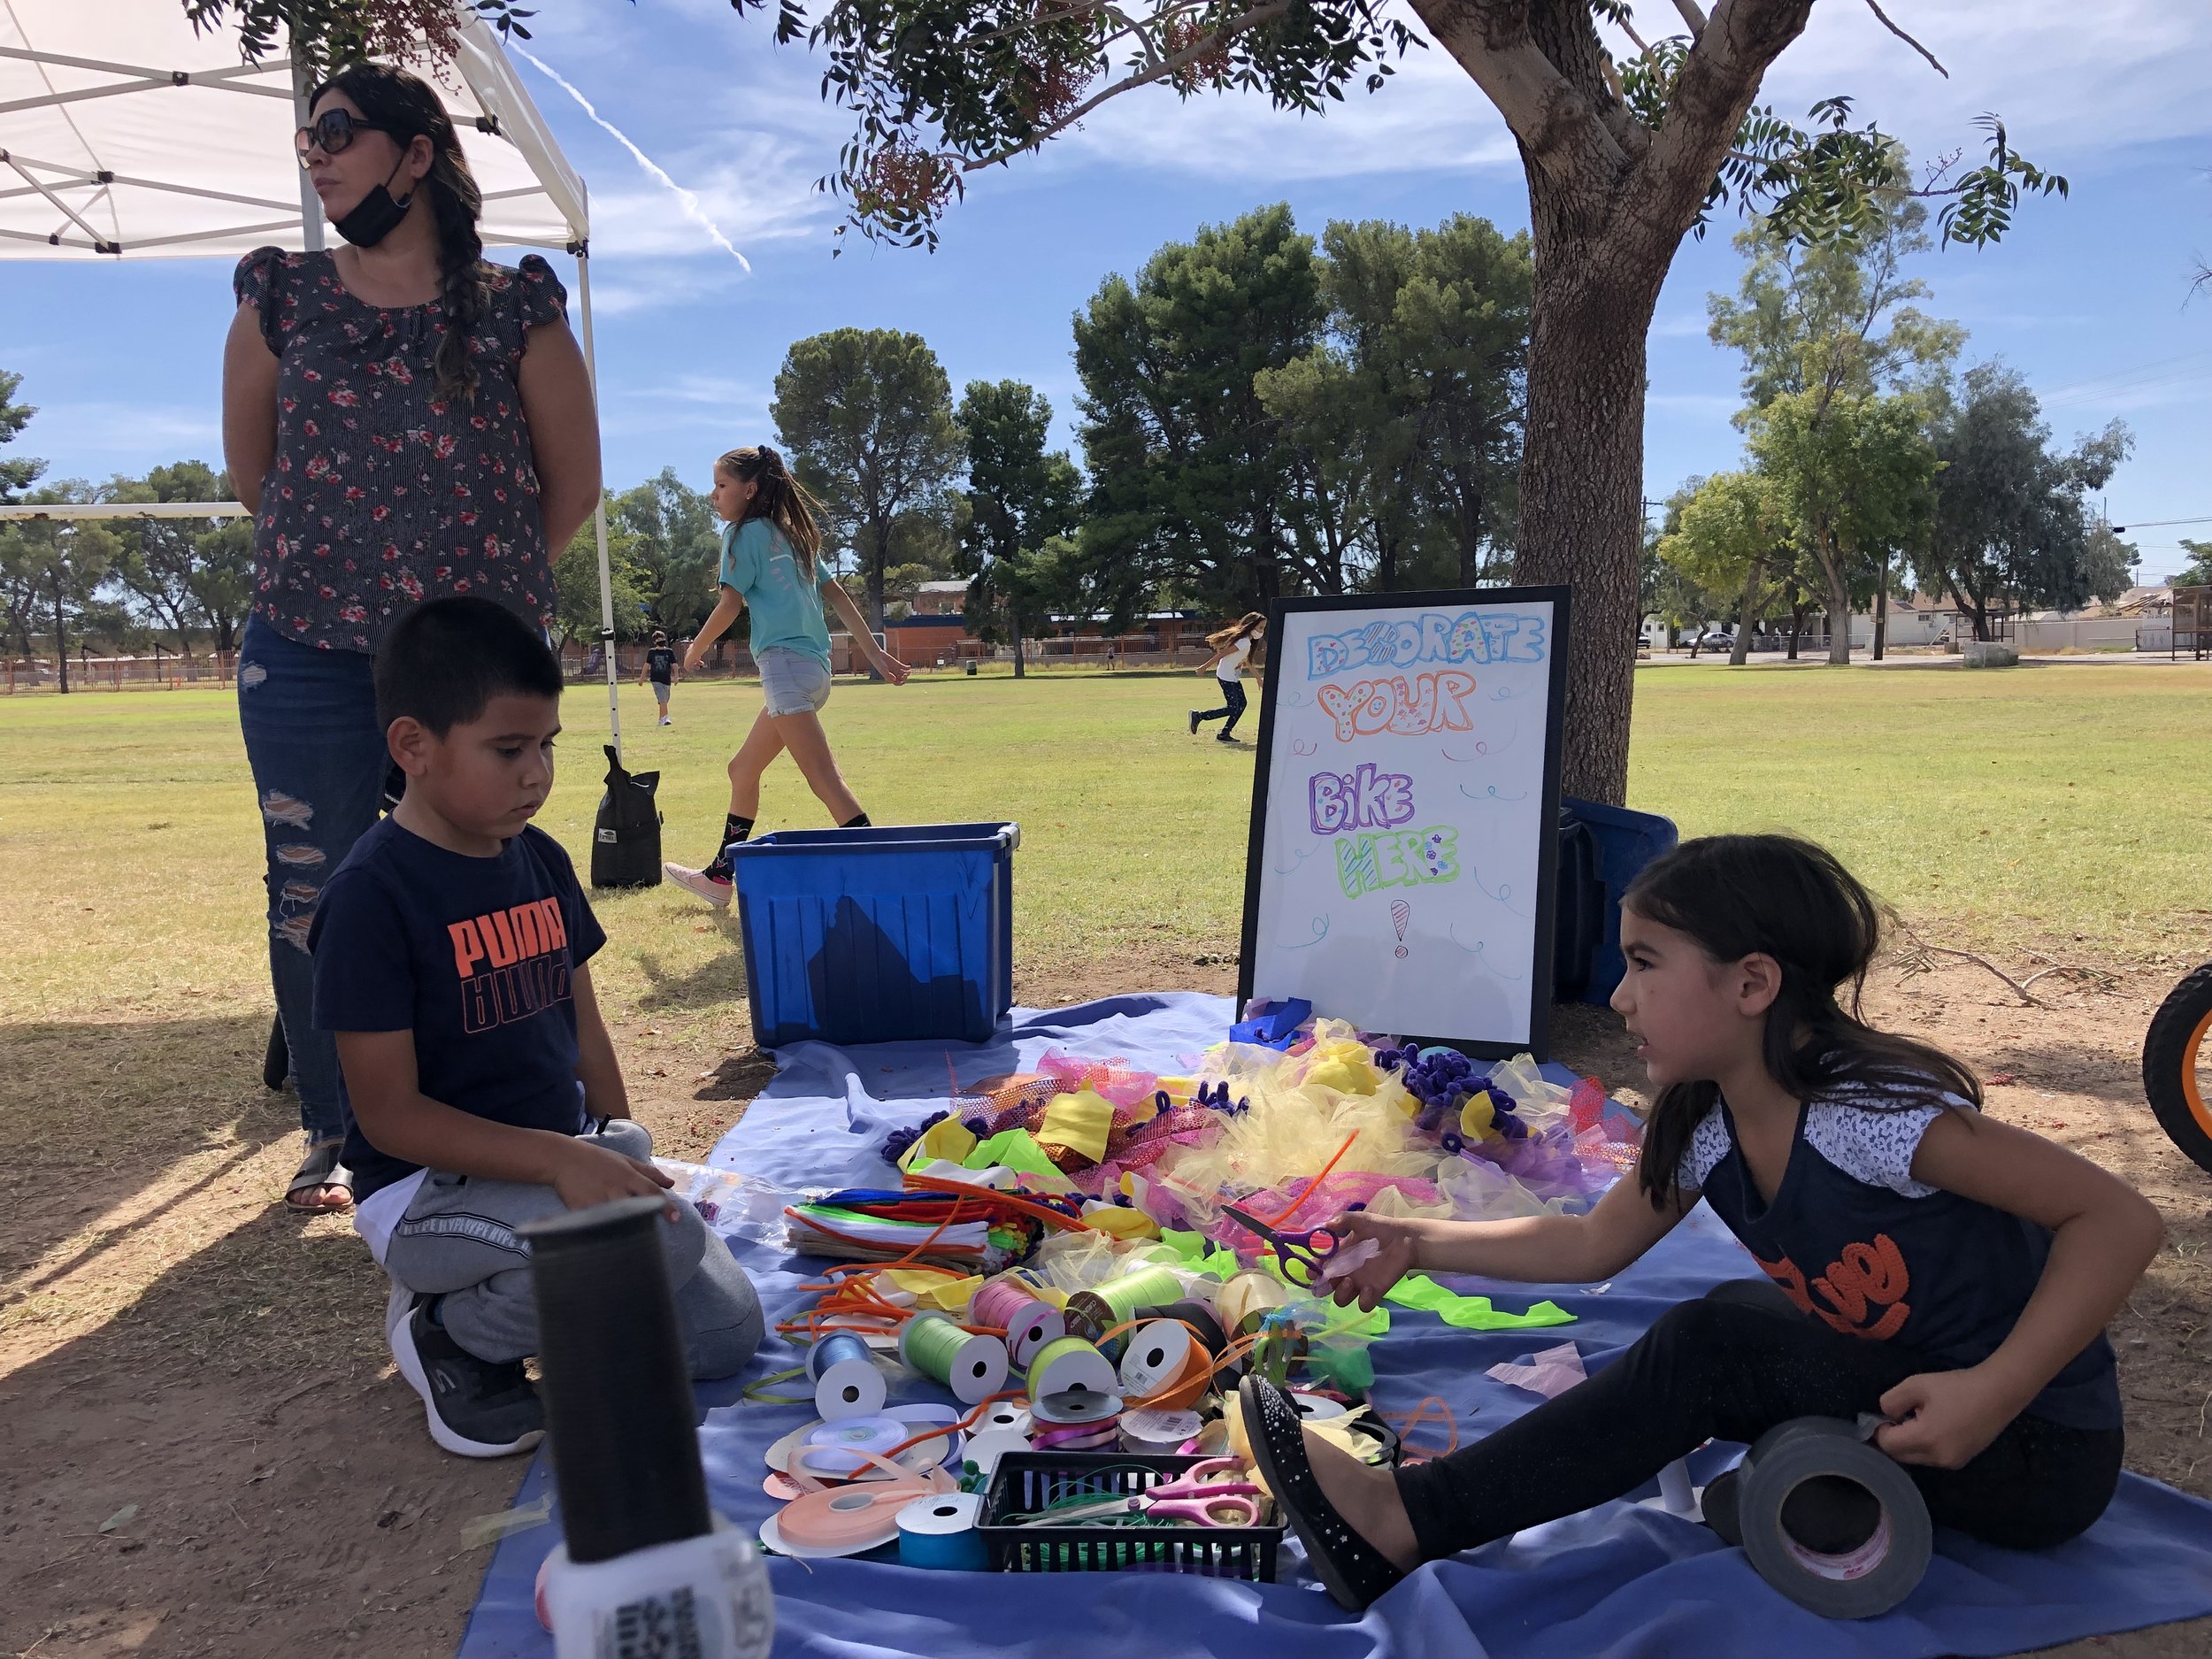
[[311, 204], [599, 518]]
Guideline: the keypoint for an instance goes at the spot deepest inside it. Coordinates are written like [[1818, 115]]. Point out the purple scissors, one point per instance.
[[1204, 1494], [1310, 1249]]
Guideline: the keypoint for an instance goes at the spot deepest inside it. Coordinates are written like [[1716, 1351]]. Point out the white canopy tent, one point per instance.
[[125, 135]]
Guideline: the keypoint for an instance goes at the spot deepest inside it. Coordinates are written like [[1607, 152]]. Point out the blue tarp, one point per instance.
[[1622, 1581]]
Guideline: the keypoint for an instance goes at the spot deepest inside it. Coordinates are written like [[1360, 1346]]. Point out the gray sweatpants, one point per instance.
[[457, 1239]]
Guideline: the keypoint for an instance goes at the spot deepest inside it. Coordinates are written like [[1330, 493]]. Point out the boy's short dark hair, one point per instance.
[[443, 662]]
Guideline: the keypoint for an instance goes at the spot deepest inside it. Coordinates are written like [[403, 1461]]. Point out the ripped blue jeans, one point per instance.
[[318, 761]]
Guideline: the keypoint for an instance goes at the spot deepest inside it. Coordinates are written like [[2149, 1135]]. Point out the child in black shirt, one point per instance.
[[1925, 1265], [482, 1090], [660, 669]]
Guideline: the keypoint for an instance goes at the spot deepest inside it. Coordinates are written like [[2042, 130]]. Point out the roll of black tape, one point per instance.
[[1863, 1578]]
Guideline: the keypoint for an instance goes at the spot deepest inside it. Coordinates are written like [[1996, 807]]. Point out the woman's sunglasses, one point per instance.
[[334, 131]]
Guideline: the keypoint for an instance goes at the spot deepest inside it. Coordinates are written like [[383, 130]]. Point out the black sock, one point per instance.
[[735, 829], [859, 820]]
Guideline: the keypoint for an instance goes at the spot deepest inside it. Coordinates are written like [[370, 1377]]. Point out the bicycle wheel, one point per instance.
[[2178, 1066]]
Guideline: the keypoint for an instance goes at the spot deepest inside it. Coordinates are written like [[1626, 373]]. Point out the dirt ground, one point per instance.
[[207, 1451]]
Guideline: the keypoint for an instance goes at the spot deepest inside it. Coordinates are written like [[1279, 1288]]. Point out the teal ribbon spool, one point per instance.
[[940, 1533]]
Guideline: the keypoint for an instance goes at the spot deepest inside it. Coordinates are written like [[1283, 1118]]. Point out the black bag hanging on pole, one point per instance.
[[625, 846]]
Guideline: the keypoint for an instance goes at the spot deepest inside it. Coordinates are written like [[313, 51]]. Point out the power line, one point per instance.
[[2153, 524]]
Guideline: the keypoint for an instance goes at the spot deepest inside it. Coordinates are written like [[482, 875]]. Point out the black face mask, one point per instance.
[[376, 215]]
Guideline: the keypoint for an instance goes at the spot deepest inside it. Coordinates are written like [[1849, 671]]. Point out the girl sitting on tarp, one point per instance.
[[1924, 1263]]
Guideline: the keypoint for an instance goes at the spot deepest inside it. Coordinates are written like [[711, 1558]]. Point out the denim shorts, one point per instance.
[[793, 682]]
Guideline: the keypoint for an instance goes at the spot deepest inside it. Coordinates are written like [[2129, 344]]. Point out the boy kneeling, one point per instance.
[[450, 951]]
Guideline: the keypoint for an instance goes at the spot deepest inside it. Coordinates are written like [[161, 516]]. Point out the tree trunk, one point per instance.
[[1021, 669], [1582, 480], [1469, 516], [1881, 612], [61, 641], [1831, 559], [879, 560], [1797, 628], [1740, 652]]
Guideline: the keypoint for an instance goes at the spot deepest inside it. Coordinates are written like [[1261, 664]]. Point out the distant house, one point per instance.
[[940, 599], [2157, 600]]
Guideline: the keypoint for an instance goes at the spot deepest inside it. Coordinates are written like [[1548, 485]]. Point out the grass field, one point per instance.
[[159, 1312], [2042, 803]]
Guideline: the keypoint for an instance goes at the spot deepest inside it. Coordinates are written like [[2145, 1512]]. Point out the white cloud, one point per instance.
[[1427, 118], [67, 432]]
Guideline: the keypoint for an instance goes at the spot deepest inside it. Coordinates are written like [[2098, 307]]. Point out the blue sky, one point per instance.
[[2089, 297]]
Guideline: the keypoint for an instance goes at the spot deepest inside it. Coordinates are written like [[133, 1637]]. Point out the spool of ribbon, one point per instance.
[[849, 1519], [940, 1533], [1068, 1363], [1004, 1414], [1151, 1433], [846, 1446], [1012, 1303], [1859, 1580], [1077, 1437], [846, 1381], [1092, 1313], [984, 1449], [972, 1366]]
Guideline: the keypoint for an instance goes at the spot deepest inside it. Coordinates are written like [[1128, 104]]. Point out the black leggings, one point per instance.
[[1232, 705], [1730, 1367]]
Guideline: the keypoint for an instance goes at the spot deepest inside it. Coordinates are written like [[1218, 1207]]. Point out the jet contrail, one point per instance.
[[693, 212]]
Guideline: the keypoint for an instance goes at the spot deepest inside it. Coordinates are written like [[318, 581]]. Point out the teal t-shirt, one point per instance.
[[787, 608]]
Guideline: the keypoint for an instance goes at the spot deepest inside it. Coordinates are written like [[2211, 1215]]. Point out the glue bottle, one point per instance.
[[646, 1566]]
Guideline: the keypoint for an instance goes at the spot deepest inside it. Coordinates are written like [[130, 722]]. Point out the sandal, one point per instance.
[[321, 1171], [1356, 1572]]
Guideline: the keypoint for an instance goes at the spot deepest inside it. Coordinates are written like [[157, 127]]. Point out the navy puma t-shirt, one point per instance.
[[471, 955]]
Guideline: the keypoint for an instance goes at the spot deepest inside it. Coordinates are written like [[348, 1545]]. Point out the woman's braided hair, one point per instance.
[[409, 107]]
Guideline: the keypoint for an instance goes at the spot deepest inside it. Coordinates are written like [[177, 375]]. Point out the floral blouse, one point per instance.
[[381, 496]]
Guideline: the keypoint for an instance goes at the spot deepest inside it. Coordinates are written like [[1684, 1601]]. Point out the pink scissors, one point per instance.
[[1206, 1495], [1308, 1251]]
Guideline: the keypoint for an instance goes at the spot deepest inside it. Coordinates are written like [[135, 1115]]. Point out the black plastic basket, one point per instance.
[[1025, 1482]]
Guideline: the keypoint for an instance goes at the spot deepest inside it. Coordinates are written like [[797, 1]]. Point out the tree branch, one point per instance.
[[1692, 16], [1884, 19], [1712, 93], [1158, 71], [1556, 125]]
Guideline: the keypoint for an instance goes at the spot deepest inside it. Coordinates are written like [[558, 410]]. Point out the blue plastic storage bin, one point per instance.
[[881, 934], [1626, 842]]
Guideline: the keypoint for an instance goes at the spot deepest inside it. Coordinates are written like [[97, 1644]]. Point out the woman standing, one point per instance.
[[1232, 651], [404, 421]]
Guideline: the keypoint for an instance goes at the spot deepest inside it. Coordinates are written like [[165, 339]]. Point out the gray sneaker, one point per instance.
[[476, 1408]]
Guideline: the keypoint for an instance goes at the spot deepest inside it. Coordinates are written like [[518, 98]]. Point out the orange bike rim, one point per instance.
[[2192, 1085]]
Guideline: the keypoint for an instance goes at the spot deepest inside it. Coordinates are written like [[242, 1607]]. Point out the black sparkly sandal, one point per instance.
[[1356, 1572]]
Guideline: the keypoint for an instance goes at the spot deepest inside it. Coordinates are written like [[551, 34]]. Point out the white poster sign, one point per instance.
[[1405, 810]]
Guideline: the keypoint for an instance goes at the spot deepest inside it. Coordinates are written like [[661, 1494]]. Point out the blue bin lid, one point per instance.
[[1002, 837]]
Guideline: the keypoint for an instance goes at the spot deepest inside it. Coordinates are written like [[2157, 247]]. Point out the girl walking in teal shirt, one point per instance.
[[770, 546]]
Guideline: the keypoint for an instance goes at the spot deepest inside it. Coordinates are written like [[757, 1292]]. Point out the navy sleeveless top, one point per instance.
[[1855, 1242]]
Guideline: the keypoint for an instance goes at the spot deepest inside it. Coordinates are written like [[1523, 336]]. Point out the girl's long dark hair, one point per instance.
[[780, 498], [1222, 638], [408, 107], [1776, 896]]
